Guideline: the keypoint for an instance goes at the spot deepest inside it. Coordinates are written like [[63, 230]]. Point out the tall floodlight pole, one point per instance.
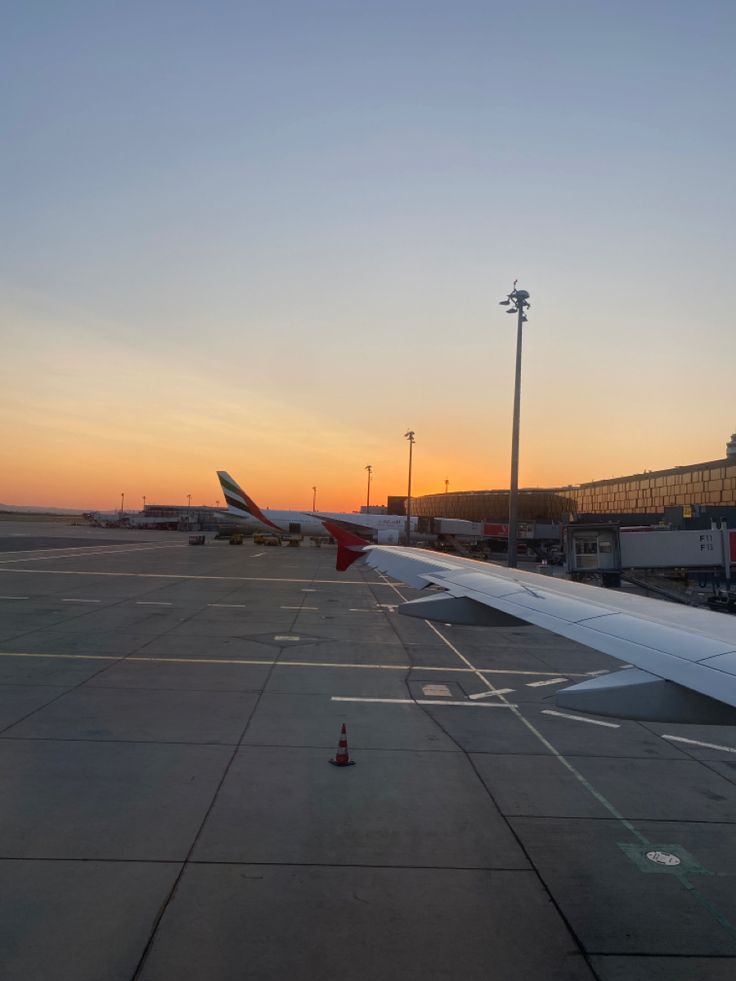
[[410, 436], [144, 502], [517, 302], [314, 498], [447, 484], [122, 503], [369, 468]]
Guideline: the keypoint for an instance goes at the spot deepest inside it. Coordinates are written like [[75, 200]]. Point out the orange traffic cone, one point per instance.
[[342, 758]]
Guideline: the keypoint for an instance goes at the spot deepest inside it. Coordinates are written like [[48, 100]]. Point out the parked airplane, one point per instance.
[[684, 659], [304, 522]]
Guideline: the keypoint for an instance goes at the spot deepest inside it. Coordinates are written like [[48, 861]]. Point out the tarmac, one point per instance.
[[168, 811]]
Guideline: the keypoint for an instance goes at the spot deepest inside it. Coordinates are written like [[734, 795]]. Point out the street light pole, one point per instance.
[[314, 498], [122, 503], [517, 301], [369, 468], [410, 436]]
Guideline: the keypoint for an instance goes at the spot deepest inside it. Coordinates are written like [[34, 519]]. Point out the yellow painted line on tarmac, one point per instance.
[[161, 659]]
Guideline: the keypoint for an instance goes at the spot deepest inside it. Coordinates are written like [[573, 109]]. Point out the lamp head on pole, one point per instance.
[[517, 300]]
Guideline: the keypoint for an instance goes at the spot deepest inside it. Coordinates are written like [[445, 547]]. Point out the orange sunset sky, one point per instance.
[[271, 245]]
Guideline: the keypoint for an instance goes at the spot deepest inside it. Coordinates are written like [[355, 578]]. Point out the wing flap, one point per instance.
[[636, 694]]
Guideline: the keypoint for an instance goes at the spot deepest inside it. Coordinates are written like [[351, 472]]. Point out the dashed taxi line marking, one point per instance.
[[228, 606], [74, 599], [696, 742], [14, 597], [549, 681], [152, 603], [314, 608], [257, 555], [581, 718], [421, 701]]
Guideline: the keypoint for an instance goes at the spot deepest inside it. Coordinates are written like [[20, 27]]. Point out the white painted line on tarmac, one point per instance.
[[352, 609], [257, 555], [696, 742], [580, 718], [534, 674], [489, 694], [549, 681], [74, 600], [308, 590], [300, 608], [89, 553], [152, 603], [421, 701], [594, 674], [228, 606], [14, 597], [176, 575]]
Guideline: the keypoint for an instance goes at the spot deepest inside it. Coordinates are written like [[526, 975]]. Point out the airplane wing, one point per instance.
[[684, 659]]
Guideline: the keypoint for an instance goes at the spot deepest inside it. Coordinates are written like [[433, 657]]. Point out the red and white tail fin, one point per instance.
[[350, 546]]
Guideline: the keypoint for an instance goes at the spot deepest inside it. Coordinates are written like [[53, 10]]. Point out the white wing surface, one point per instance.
[[685, 659]]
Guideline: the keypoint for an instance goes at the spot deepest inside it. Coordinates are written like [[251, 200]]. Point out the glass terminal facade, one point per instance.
[[705, 484], [712, 484], [493, 505]]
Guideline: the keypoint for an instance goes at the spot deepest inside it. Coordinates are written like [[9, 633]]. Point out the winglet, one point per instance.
[[349, 545]]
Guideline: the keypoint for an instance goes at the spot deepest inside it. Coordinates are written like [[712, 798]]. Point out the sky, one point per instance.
[[270, 237]]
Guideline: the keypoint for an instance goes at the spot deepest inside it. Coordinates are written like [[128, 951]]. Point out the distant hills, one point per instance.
[[23, 509]]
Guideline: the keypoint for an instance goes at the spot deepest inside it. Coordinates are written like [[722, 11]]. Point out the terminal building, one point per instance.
[[704, 491]]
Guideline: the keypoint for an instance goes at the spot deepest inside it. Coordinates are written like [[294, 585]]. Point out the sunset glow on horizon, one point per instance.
[[270, 241]]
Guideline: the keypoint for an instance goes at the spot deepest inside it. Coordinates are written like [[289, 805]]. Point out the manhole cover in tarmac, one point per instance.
[[663, 858]]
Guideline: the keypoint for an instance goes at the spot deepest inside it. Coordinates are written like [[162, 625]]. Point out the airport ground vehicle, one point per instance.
[[263, 538]]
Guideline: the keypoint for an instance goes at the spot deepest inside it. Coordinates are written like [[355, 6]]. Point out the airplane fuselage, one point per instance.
[[304, 523]]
